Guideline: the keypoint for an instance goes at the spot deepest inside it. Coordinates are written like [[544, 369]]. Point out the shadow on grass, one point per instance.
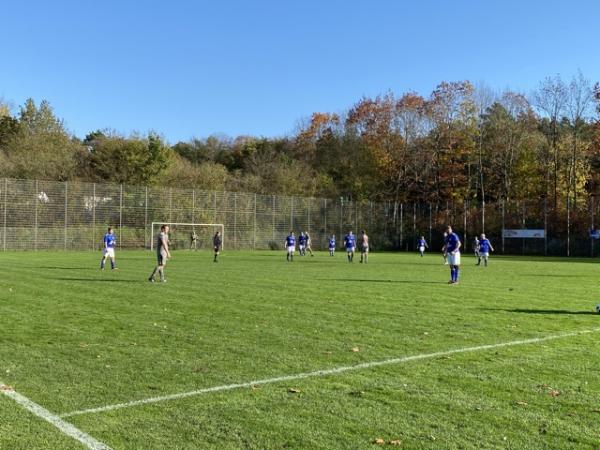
[[543, 311], [100, 280], [359, 280]]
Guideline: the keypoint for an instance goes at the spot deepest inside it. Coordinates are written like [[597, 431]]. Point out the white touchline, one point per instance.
[[320, 373], [63, 426]]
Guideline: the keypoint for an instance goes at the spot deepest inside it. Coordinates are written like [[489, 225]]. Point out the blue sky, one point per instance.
[[195, 68]]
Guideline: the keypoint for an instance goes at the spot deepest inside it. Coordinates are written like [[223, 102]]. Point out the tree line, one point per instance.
[[462, 142]]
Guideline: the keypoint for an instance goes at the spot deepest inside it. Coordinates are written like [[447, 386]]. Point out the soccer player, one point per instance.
[[162, 254], [350, 243], [476, 247], [332, 245], [308, 244], [484, 250], [452, 249], [290, 246], [110, 240], [193, 240], [364, 246], [422, 244], [444, 254], [302, 244], [217, 242]]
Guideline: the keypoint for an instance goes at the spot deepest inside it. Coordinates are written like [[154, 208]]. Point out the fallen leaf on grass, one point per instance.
[[355, 349], [396, 442], [553, 393], [379, 441], [357, 393], [521, 403], [294, 390], [6, 387], [84, 345], [255, 387]]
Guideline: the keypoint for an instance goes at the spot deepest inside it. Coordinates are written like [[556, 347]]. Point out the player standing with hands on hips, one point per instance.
[[452, 252]]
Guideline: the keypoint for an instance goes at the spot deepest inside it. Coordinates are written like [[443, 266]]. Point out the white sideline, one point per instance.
[[320, 373], [63, 426]]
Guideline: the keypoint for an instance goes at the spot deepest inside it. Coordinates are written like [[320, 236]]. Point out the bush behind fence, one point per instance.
[[44, 215]]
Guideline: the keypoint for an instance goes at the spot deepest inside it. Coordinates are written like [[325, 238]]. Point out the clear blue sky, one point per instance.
[[194, 68]]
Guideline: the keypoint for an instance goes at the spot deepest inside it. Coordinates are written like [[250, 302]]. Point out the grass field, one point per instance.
[[74, 338]]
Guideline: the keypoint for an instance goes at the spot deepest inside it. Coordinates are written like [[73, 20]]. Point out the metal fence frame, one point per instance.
[[49, 215]]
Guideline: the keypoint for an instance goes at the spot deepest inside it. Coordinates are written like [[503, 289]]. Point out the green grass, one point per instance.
[[75, 338]]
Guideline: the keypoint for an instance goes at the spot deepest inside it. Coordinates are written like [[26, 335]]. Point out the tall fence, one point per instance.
[[40, 215]]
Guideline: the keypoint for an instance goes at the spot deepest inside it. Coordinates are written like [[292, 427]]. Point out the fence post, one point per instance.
[[273, 218], [483, 216], [121, 215], [430, 225], [502, 201], [465, 225], [292, 213], [35, 199], [341, 216], [545, 226], [5, 208], [66, 209], [170, 204], [146, 221], [401, 224], [194, 206], [568, 224], [414, 225], [325, 219], [235, 220], [254, 228], [592, 227], [94, 215]]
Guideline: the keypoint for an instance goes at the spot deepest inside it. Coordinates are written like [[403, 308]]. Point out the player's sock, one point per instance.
[[102, 264], [452, 274], [287, 257], [112, 264], [456, 274]]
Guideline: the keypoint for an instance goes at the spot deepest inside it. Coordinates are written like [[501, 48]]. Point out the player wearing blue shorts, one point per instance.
[[452, 250], [290, 246], [350, 244], [484, 250], [302, 244], [332, 245], [110, 242]]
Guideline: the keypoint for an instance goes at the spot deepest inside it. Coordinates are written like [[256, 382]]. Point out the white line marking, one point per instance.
[[320, 373], [63, 426]]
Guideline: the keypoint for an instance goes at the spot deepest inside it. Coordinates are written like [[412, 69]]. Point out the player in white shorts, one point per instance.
[[290, 246], [452, 250]]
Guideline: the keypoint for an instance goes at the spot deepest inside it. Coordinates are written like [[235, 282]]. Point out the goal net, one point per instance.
[[188, 236]]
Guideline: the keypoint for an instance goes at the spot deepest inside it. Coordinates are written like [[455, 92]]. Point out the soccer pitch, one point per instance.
[[257, 353]]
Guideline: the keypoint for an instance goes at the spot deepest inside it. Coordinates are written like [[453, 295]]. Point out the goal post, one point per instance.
[[180, 233]]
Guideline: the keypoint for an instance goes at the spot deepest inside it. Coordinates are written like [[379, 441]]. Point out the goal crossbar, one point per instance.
[[214, 225]]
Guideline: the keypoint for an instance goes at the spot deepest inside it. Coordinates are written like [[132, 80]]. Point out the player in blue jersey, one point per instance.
[[332, 245], [350, 244], [484, 250], [422, 244], [452, 250], [302, 244], [110, 242], [290, 246]]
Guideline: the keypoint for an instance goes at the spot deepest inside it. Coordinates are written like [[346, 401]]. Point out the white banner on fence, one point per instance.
[[524, 233]]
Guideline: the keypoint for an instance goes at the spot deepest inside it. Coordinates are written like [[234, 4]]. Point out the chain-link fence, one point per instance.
[[39, 215]]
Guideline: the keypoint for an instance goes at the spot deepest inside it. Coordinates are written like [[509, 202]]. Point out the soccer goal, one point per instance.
[[188, 236]]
